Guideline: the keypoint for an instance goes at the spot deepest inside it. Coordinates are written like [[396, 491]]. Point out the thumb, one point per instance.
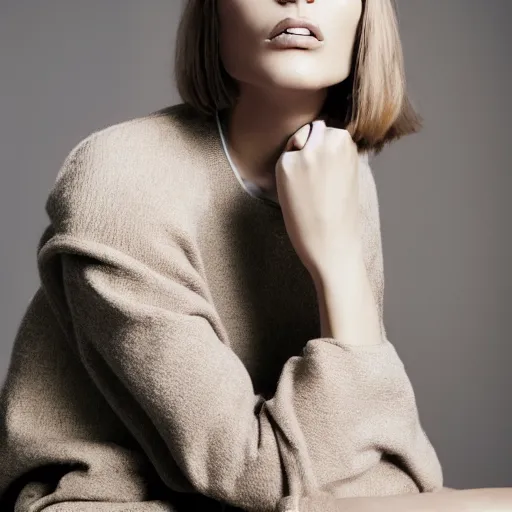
[[299, 138]]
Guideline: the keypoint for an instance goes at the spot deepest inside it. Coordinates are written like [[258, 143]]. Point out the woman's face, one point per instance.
[[248, 56]]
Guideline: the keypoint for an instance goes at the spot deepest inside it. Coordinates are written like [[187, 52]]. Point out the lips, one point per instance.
[[297, 23], [293, 41]]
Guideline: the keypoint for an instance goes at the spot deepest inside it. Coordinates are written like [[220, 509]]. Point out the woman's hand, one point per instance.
[[318, 190]]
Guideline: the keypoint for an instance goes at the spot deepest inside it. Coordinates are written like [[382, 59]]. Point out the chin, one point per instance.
[[298, 73], [298, 81]]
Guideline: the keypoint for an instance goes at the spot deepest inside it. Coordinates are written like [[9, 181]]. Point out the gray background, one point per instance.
[[68, 68]]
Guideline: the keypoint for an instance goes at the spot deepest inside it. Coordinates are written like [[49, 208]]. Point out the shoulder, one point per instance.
[[366, 173], [122, 169], [127, 144], [368, 194]]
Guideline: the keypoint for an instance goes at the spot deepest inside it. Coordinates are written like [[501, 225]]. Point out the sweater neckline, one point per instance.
[[247, 186]]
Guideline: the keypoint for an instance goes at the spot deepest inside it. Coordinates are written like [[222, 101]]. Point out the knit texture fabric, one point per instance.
[[170, 359]]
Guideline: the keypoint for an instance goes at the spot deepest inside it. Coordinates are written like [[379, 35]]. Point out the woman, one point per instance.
[[208, 331]]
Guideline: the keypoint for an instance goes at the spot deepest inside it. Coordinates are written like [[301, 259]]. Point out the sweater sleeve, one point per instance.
[[136, 306]]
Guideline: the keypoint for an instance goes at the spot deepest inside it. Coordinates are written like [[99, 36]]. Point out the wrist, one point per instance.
[[339, 268], [346, 304]]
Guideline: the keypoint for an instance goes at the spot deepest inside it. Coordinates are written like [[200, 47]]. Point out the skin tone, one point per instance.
[[462, 500], [280, 92]]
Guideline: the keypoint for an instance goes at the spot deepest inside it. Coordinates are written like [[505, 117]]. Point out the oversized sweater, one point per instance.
[[171, 359]]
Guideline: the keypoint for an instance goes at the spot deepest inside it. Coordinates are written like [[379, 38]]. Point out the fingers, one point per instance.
[[317, 134], [301, 136], [298, 139], [311, 134]]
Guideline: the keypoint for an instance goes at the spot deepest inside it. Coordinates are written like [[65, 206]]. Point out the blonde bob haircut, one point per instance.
[[371, 103]]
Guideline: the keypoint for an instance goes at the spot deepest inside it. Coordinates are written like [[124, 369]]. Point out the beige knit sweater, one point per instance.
[[171, 358]]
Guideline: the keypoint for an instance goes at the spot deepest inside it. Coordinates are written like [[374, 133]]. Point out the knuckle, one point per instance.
[[308, 157]]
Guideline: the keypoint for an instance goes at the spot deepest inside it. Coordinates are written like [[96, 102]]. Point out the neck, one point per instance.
[[260, 124]]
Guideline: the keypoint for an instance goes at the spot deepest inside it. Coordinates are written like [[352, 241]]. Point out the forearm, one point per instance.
[[346, 303], [447, 500]]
